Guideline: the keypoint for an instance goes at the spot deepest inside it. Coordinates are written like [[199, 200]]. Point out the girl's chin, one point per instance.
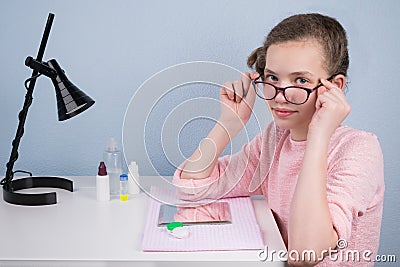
[[290, 124], [283, 123]]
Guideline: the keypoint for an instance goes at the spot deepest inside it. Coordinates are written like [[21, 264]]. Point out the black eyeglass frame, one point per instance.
[[277, 89]]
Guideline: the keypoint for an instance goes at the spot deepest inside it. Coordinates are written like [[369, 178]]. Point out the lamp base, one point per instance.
[[10, 196]]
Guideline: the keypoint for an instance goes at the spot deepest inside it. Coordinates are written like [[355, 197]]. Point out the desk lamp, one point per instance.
[[70, 102]]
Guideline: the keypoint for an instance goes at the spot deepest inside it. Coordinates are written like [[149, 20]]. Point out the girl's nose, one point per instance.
[[279, 98]]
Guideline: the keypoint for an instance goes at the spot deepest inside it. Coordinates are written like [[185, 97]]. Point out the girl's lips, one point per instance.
[[283, 113]]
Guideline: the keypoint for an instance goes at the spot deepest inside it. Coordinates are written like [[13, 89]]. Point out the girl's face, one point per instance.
[[299, 63]]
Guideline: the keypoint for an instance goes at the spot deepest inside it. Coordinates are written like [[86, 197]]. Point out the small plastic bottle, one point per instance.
[[133, 179], [123, 187], [113, 159], [102, 183]]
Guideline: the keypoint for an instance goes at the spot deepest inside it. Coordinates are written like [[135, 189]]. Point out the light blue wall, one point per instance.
[[109, 48]]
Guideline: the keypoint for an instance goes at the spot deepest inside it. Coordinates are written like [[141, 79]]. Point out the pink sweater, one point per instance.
[[355, 184]]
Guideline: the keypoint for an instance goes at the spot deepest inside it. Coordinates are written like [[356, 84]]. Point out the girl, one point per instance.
[[323, 181]]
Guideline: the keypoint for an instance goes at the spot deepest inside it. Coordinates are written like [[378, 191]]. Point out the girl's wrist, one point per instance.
[[230, 128], [319, 134], [318, 139], [220, 136]]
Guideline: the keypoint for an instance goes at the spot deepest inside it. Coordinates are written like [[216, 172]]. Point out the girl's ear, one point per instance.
[[340, 81]]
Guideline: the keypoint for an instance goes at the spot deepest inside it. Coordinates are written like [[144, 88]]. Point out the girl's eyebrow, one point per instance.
[[269, 71], [296, 73], [302, 73]]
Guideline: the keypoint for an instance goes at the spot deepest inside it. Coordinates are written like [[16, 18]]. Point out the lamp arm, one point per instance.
[[20, 132], [28, 101]]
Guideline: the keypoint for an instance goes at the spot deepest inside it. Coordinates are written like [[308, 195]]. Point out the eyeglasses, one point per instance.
[[293, 94]]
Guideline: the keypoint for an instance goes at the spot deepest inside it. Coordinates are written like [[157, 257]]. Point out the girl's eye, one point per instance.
[[301, 81], [271, 78]]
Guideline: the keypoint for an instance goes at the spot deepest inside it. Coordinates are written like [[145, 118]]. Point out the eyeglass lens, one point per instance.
[[292, 94]]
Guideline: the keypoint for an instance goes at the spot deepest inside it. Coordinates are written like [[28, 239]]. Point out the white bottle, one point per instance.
[[102, 183], [113, 160], [133, 179]]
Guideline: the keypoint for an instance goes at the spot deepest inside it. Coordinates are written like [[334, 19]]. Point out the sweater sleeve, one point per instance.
[[355, 180], [231, 176]]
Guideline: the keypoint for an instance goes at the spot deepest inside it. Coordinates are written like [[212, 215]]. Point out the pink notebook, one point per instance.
[[242, 234]]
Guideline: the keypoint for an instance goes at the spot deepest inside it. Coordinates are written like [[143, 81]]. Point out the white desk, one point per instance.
[[81, 231]]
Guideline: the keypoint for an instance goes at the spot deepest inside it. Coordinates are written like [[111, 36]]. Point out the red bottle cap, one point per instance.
[[102, 169]]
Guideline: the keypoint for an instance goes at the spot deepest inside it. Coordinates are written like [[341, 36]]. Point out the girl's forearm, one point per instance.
[[310, 225], [202, 162]]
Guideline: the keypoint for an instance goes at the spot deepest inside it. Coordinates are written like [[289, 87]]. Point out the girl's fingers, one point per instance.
[[330, 86], [327, 84], [227, 89], [321, 90], [248, 89], [246, 82], [238, 90], [333, 99], [254, 75], [250, 94], [328, 97], [338, 93], [333, 89]]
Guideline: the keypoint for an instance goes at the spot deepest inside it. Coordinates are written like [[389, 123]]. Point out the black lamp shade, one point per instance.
[[70, 100]]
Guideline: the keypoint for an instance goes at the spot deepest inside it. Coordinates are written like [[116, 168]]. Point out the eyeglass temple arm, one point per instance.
[[334, 75]]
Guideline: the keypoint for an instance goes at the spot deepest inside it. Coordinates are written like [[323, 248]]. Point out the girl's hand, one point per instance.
[[237, 101], [331, 110]]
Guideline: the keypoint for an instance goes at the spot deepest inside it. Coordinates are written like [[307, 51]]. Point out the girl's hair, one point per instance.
[[325, 30]]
